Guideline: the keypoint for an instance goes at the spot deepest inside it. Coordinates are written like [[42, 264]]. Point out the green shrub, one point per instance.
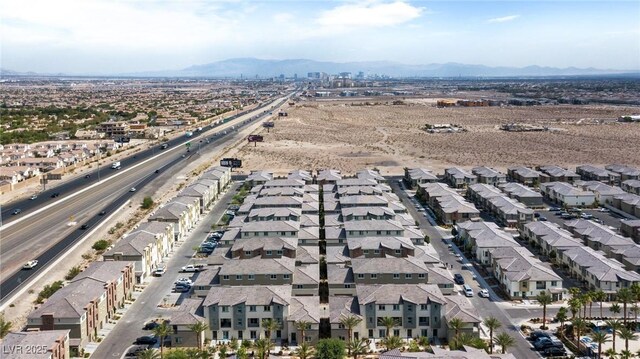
[[147, 203], [72, 273], [48, 291], [101, 245]]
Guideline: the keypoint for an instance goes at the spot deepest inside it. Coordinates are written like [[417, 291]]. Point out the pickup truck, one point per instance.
[[190, 269], [115, 165]]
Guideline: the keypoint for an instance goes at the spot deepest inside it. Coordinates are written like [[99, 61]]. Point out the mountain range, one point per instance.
[[252, 67]]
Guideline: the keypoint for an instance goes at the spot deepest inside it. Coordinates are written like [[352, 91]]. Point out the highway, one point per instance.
[[44, 235]]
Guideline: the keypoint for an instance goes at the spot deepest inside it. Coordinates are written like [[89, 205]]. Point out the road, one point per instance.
[[145, 308], [484, 306], [43, 236]]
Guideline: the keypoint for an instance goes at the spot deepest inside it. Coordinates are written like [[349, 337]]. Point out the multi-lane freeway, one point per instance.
[[47, 226]]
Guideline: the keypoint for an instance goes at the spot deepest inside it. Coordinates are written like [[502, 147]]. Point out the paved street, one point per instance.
[[145, 308], [484, 306]]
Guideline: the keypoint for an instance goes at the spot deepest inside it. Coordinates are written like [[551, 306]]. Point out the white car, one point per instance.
[[190, 268], [133, 189], [603, 210], [483, 293], [33, 197], [185, 281], [30, 264], [159, 271]]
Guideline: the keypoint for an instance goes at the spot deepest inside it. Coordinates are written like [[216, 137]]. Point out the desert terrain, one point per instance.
[[350, 136]]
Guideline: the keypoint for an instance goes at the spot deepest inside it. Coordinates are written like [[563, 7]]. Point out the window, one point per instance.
[[265, 233], [396, 307], [225, 277], [382, 333], [541, 285], [253, 334], [347, 286], [408, 276], [381, 307], [370, 333], [554, 283], [251, 276], [424, 306], [273, 277], [224, 308], [238, 276], [247, 253], [178, 340], [423, 321], [360, 275], [286, 276], [398, 252], [283, 233], [299, 286], [396, 276], [374, 276], [396, 332], [269, 253], [266, 308], [239, 309], [340, 326], [378, 232], [409, 307], [279, 253], [376, 251], [421, 276], [225, 335], [239, 322], [409, 320], [252, 308], [424, 332], [293, 233], [225, 323]]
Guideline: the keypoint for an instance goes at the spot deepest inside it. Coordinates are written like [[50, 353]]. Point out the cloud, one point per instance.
[[503, 19], [369, 14]]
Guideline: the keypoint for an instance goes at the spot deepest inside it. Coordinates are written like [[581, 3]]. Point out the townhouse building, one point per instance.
[[483, 237], [628, 203], [567, 195], [205, 190], [189, 312], [49, 344], [558, 174], [631, 186], [631, 228], [417, 176], [626, 172], [526, 176], [592, 173], [604, 193], [371, 174], [507, 212], [303, 175], [459, 178], [489, 176], [182, 213], [523, 194], [259, 178], [328, 176]]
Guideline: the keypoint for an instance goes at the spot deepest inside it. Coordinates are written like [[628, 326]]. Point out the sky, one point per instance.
[[112, 36]]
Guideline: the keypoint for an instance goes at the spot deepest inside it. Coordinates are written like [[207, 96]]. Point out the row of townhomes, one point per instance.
[[85, 304], [520, 273], [590, 252], [49, 344], [19, 162], [447, 203], [508, 212], [269, 265]]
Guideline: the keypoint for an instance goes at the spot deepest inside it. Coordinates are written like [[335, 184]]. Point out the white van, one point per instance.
[[467, 290]]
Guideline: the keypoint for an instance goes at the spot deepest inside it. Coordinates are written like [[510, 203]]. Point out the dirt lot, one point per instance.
[[349, 137]]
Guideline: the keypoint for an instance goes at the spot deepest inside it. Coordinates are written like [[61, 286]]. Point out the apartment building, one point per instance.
[[631, 228], [489, 176], [507, 212], [187, 314], [183, 213], [459, 178], [303, 175], [416, 176], [328, 176], [567, 195], [482, 238], [49, 344], [604, 193], [259, 178], [592, 173], [205, 190], [628, 203]]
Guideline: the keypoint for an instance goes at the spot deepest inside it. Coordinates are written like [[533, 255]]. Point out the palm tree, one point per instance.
[[544, 299], [625, 354], [263, 346], [599, 296], [586, 300], [199, 328], [301, 327], [241, 353], [270, 325], [5, 326], [392, 342], [615, 325], [148, 354], [493, 324], [304, 351], [357, 347], [466, 339], [222, 352], [388, 323], [162, 331], [574, 306], [635, 309], [627, 334], [504, 340], [600, 338], [610, 353], [579, 325], [625, 296], [350, 322], [456, 325], [615, 308], [561, 316]]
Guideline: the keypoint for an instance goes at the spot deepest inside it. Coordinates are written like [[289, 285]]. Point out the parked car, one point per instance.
[[30, 264], [55, 194], [151, 325], [16, 211], [147, 339], [133, 189], [554, 209], [536, 214], [554, 352], [102, 213], [483, 293], [535, 335], [84, 226], [33, 197], [586, 215], [457, 278], [185, 281], [87, 176], [544, 343], [542, 219], [605, 210], [182, 288], [190, 269], [158, 272]]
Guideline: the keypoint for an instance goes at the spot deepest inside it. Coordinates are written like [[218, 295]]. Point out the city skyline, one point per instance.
[[102, 37]]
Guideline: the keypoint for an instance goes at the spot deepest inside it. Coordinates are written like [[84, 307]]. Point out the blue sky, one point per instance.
[[110, 36]]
